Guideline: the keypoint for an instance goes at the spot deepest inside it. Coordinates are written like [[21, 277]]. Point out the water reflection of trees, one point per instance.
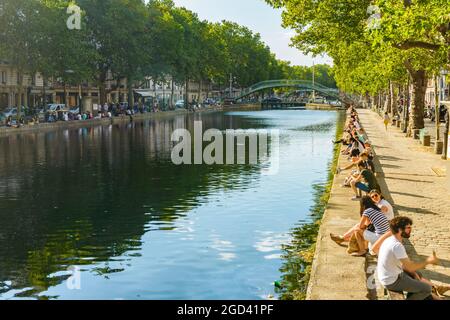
[[86, 196]]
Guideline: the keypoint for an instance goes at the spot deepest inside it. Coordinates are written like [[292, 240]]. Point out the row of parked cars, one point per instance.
[[58, 107], [24, 111]]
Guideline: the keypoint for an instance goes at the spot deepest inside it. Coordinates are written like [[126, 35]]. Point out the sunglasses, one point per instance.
[[375, 196]]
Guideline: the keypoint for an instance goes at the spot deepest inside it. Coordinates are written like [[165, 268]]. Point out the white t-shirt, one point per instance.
[[389, 265], [390, 213]]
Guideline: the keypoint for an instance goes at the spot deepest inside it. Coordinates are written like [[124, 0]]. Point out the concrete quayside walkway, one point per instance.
[[417, 184]]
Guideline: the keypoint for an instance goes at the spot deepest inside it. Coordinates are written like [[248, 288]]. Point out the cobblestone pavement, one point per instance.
[[417, 183], [414, 180]]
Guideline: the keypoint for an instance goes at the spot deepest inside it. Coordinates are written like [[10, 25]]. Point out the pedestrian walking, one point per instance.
[[387, 119]]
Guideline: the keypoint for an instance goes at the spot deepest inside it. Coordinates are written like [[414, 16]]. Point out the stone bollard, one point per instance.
[[399, 123], [416, 133], [394, 122], [426, 140], [439, 147]]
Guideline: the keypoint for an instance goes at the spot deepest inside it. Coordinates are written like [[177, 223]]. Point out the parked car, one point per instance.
[[179, 104], [74, 110], [12, 112], [56, 107], [210, 101]]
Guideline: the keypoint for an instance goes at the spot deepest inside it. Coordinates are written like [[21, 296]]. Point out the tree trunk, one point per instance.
[[419, 87], [65, 95], [394, 97], [388, 101], [186, 93], [171, 94], [20, 89], [406, 108], [436, 108], [130, 92], [102, 87], [199, 91], [44, 93]]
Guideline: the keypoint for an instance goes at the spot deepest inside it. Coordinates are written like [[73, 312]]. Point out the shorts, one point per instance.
[[362, 186], [371, 236]]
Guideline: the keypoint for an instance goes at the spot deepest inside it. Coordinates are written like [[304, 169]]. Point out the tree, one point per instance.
[[117, 29], [332, 26]]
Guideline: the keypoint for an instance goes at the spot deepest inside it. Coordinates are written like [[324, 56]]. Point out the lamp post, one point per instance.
[[231, 84], [314, 81]]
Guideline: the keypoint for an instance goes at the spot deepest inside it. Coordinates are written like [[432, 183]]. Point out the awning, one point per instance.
[[144, 93]]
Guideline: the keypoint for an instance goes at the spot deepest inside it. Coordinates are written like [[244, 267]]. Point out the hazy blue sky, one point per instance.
[[258, 16]]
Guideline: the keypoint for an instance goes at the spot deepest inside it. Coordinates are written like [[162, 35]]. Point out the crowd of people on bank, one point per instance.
[[108, 110], [379, 232]]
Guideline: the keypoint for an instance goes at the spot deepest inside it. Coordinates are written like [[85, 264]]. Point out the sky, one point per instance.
[[259, 17]]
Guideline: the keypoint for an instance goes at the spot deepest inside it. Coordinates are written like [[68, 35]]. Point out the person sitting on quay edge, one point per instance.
[[382, 203], [396, 272], [354, 144], [9, 122], [371, 182], [368, 164], [372, 226]]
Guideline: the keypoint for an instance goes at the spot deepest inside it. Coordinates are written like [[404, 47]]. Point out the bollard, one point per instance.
[[399, 123], [438, 147], [416, 133], [426, 140]]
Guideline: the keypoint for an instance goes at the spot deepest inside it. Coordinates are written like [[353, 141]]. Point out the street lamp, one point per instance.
[[314, 81]]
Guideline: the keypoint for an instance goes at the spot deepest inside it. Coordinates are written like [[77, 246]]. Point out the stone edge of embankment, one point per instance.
[[338, 160], [335, 163]]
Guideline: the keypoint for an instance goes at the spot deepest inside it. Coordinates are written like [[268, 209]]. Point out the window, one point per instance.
[[3, 78]]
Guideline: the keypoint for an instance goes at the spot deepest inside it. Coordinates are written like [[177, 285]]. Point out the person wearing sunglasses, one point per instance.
[[382, 203]]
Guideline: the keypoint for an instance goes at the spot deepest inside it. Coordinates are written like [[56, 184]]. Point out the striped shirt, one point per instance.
[[378, 219]]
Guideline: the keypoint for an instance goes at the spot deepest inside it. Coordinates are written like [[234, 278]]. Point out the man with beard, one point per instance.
[[397, 272]]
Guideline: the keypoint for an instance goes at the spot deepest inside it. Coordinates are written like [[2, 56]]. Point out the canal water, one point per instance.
[[102, 213]]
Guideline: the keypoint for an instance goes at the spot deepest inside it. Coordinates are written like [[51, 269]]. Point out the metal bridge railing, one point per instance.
[[289, 83]]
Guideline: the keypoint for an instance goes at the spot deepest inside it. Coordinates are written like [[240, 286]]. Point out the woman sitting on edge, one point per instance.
[[367, 207]]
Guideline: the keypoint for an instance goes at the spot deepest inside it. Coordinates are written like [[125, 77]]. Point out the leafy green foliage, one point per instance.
[[134, 39]]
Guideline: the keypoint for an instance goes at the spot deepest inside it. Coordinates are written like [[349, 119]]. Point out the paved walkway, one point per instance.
[[412, 180]]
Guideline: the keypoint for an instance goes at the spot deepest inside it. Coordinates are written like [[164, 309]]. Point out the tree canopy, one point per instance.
[[135, 39]]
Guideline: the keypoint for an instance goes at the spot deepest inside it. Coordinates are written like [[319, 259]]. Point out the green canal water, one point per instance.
[[103, 213]]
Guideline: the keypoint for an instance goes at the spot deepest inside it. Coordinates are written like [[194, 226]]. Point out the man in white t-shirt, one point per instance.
[[395, 270]]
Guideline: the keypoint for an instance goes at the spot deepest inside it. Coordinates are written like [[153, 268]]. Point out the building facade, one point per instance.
[[443, 90], [33, 89]]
